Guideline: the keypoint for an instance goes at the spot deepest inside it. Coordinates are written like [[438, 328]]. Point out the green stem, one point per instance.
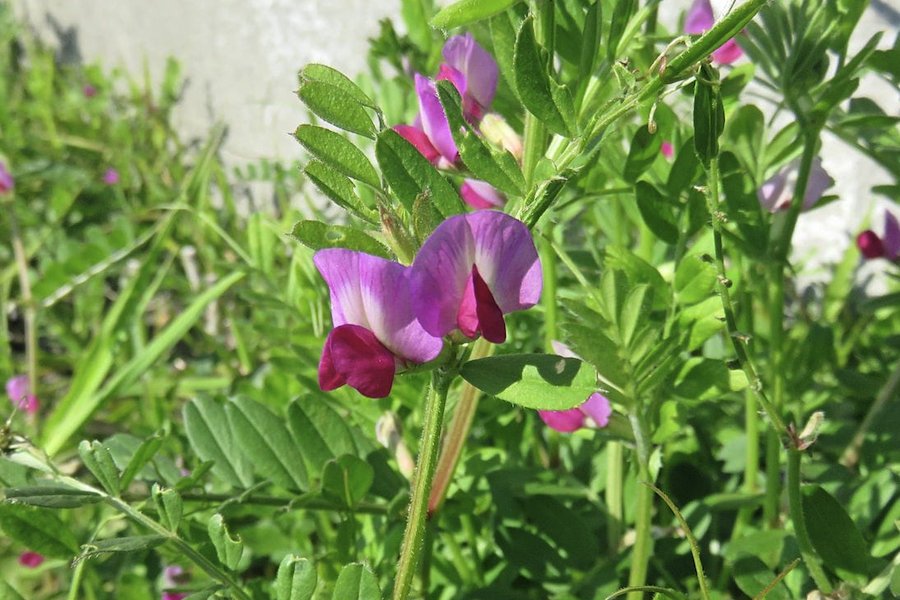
[[615, 513], [28, 307], [548, 297], [425, 467], [643, 543], [796, 507]]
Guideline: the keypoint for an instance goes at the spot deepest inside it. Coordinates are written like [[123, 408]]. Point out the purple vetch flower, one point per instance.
[[480, 194], [375, 329], [667, 149], [88, 90], [596, 407], [871, 245], [19, 391], [173, 576], [699, 19], [111, 177], [775, 194], [479, 73], [30, 559], [472, 270], [6, 179]]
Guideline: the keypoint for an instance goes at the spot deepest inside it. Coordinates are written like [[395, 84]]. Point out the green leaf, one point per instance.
[[410, 175], [348, 479], [52, 496], [622, 13], [98, 460], [644, 150], [318, 431], [169, 506], [207, 429], [657, 212], [500, 169], [833, 533], [709, 114], [465, 12], [338, 152], [542, 381], [639, 271], [417, 26], [8, 592], [503, 39], [356, 582], [326, 74], [39, 529], [334, 105], [318, 235], [123, 544], [752, 575], [590, 48], [635, 311], [143, 455], [339, 189], [296, 579], [541, 95], [694, 280], [228, 549], [265, 441]]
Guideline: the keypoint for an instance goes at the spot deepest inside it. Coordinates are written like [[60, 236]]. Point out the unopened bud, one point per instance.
[[498, 132]]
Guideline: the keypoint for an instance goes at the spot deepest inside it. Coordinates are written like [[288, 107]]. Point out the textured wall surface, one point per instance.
[[240, 57]]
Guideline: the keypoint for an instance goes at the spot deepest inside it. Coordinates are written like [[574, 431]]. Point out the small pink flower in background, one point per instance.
[[594, 411], [668, 150], [775, 194], [699, 19], [472, 270], [6, 179], [375, 329], [872, 246], [173, 576], [479, 194], [19, 392], [30, 559], [111, 177], [89, 91]]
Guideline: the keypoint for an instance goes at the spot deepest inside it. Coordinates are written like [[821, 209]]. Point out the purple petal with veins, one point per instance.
[[434, 120], [478, 67]]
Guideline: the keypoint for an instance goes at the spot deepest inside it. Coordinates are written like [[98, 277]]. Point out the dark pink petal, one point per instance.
[[374, 293], [479, 68], [111, 177], [6, 180], [667, 150], [727, 53], [506, 259], [480, 194], [479, 313], [597, 408], [89, 91], [565, 421], [819, 181], [353, 355], [869, 244], [699, 17], [18, 388], [418, 139], [891, 236], [30, 559], [434, 121], [454, 76]]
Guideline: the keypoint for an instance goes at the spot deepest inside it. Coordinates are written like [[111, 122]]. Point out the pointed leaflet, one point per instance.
[[410, 174], [356, 582], [318, 431], [657, 212], [207, 429], [296, 579], [709, 114], [339, 189], [325, 74], [334, 105], [337, 152], [318, 235], [541, 95], [465, 12]]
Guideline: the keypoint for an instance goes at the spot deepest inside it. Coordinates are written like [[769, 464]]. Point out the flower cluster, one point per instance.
[[472, 270], [871, 245], [474, 74]]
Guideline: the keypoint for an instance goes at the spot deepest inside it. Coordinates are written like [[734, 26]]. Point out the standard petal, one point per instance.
[[507, 259], [869, 244], [819, 181], [417, 138], [480, 194], [699, 17], [358, 358], [434, 121], [439, 275], [340, 269], [386, 300], [597, 408], [454, 76], [565, 421], [891, 236], [479, 68]]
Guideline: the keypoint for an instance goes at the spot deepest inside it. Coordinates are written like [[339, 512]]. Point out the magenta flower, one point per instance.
[[667, 149], [700, 18], [6, 180], [479, 74], [111, 177], [19, 392], [775, 194], [471, 271], [173, 576], [479, 194], [596, 407], [872, 246], [30, 559], [375, 329], [88, 90]]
